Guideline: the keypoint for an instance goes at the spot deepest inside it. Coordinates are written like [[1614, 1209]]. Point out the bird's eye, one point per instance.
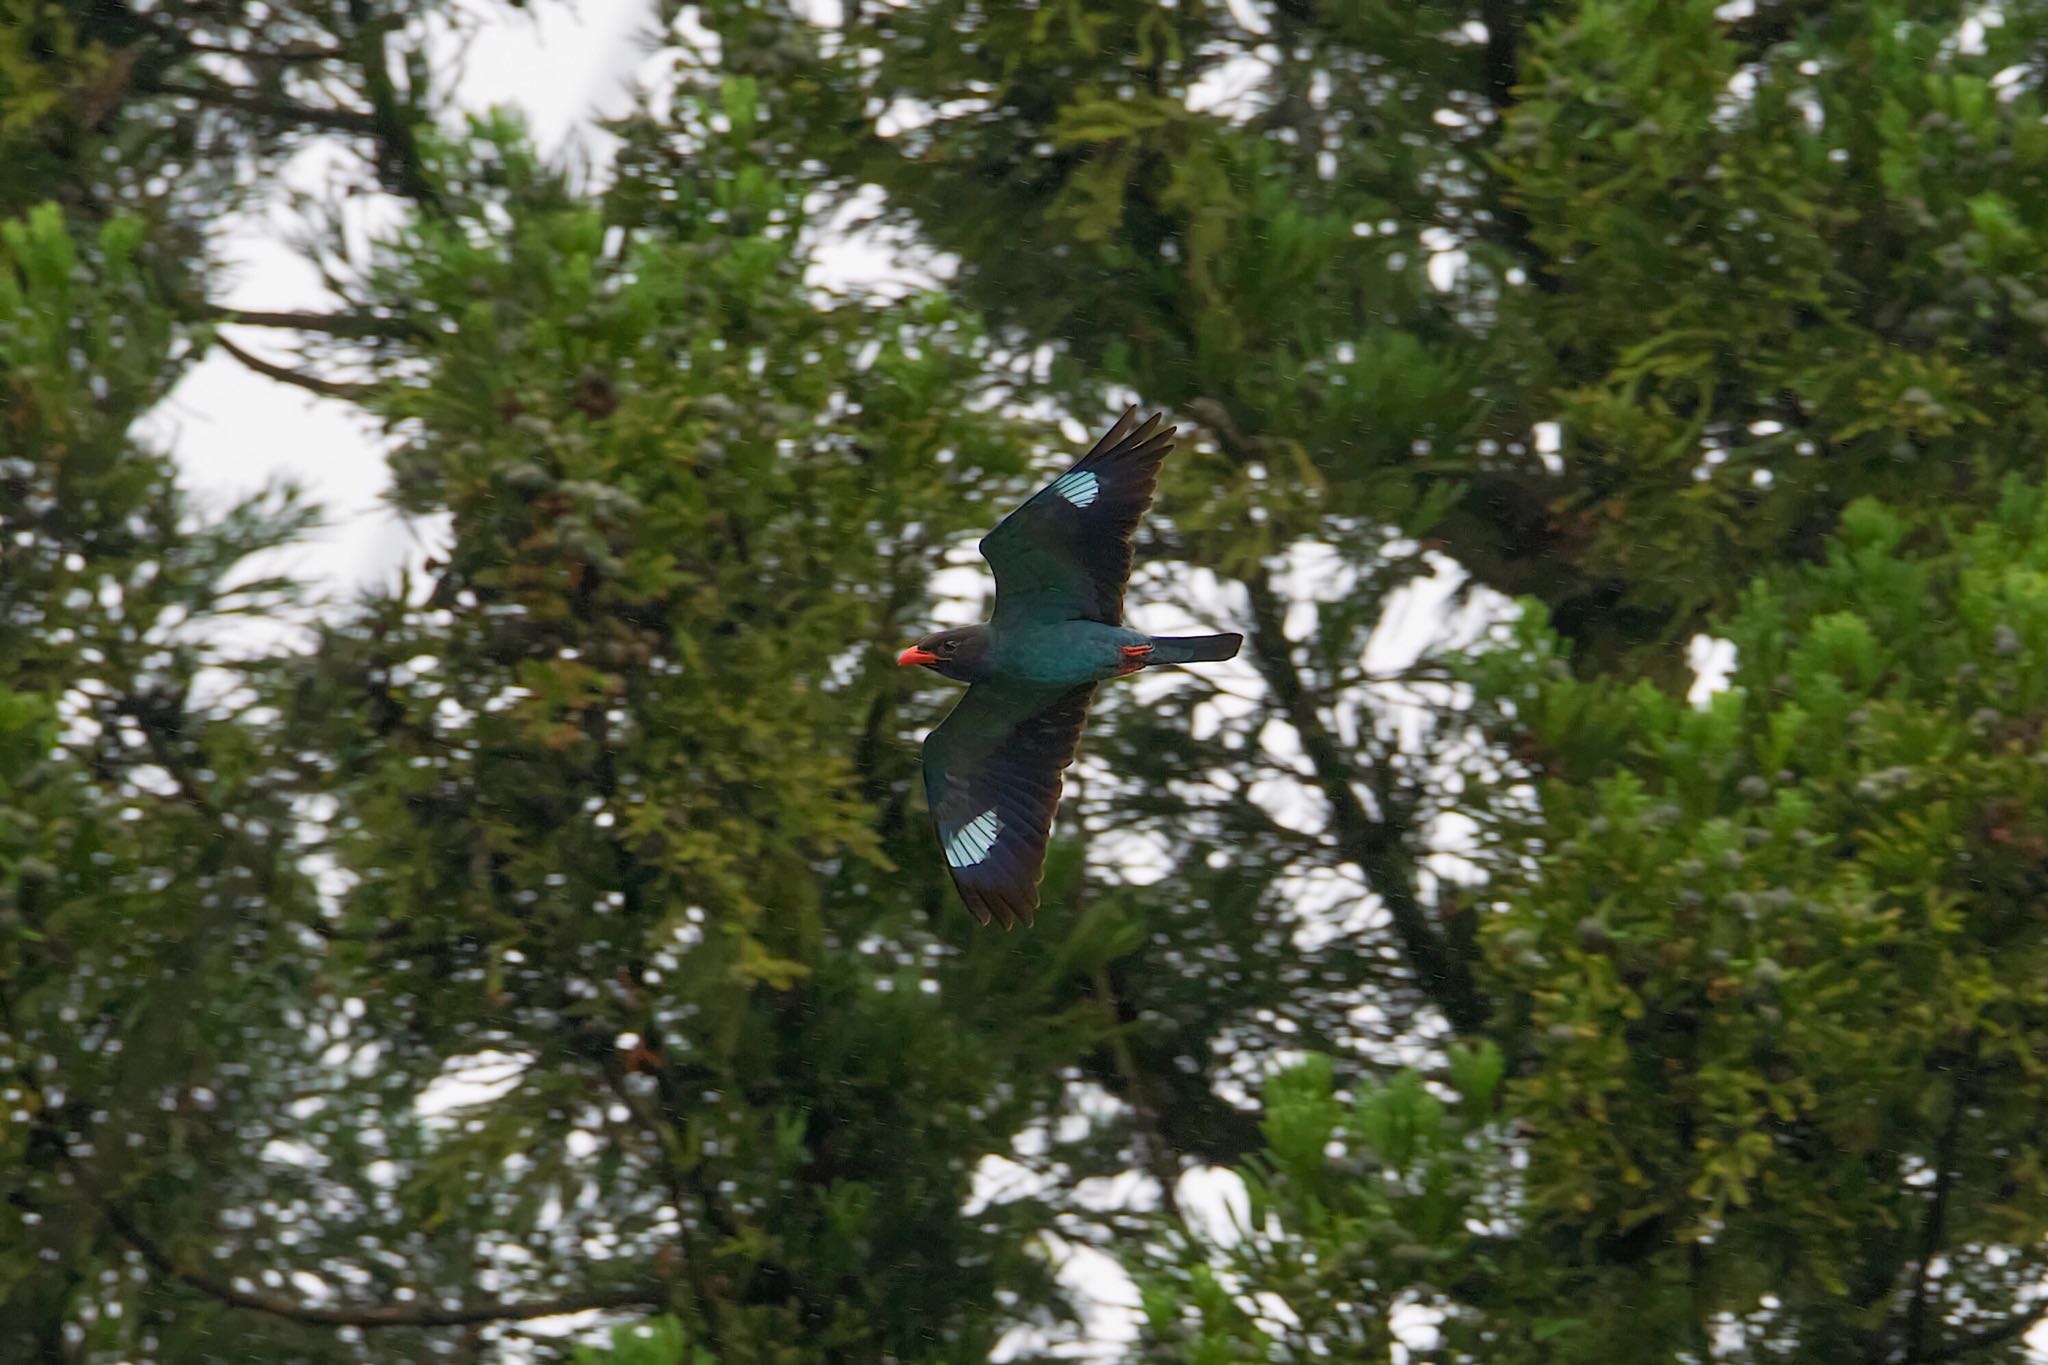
[[945, 649]]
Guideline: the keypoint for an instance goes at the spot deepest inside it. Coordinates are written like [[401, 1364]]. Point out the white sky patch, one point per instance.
[[963, 592], [1443, 269], [291, 1152], [311, 1287], [1550, 445], [823, 13], [1333, 903], [1108, 1302], [1000, 1180], [563, 66], [904, 115], [1232, 88], [1452, 835], [1422, 614], [1250, 15], [1712, 661], [1124, 1190], [1416, 1325], [1137, 858], [234, 432], [855, 248], [477, 1079], [1970, 35], [1214, 1202], [1311, 572], [1226, 708]]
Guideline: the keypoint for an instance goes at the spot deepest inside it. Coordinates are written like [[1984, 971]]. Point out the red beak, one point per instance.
[[916, 656]]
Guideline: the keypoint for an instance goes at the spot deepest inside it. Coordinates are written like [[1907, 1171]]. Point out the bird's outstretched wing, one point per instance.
[[1067, 552], [992, 775]]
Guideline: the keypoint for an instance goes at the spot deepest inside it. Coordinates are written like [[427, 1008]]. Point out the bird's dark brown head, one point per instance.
[[958, 654]]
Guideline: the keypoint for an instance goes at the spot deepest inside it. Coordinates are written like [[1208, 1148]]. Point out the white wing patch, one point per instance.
[[970, 843], [1078, 486]]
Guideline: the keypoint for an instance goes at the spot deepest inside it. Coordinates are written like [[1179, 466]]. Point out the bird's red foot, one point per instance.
[[1135, 658]]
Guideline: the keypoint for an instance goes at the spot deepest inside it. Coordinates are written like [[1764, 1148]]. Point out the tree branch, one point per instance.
[[387, 122], [284, 56], [349, 326], [1153, 1149], [352, 121], [166, 31], [1931, 1233], [159, 738], [1926, 1291], [399, 151], [326, 388], [159, 1258], [1772, 22], [1442, 971], [378, 1315], [1375, 845], [1504, 20], [1984, 1338], [1156, 1151]]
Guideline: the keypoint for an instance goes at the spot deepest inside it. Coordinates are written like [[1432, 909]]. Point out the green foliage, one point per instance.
[[139, 939], [658, 1341], [1775, 966], [613, 805], [1781, 278], [1784, 951], [609, 786], [558, 928], [1356, 1212], [1759, 271]]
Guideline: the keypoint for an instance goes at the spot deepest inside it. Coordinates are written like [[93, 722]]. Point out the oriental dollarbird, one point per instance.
[[992, 768]]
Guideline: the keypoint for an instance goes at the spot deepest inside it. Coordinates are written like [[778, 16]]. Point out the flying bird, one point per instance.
[[992, 767]]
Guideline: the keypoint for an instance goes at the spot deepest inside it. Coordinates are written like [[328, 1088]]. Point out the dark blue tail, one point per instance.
[[1194, 649]]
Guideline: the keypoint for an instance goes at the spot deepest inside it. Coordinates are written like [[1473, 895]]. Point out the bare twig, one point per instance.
[[1984, 1338], [1444, 975], [1377, 845], [160, 1259], [351, 121], [326, 388], [1157, 1152], [1925, 1305], [1504, 20], [346, 325], [1926, 1292], [1153, 1148], [284, 56], [390, 124], [375, 1315]]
